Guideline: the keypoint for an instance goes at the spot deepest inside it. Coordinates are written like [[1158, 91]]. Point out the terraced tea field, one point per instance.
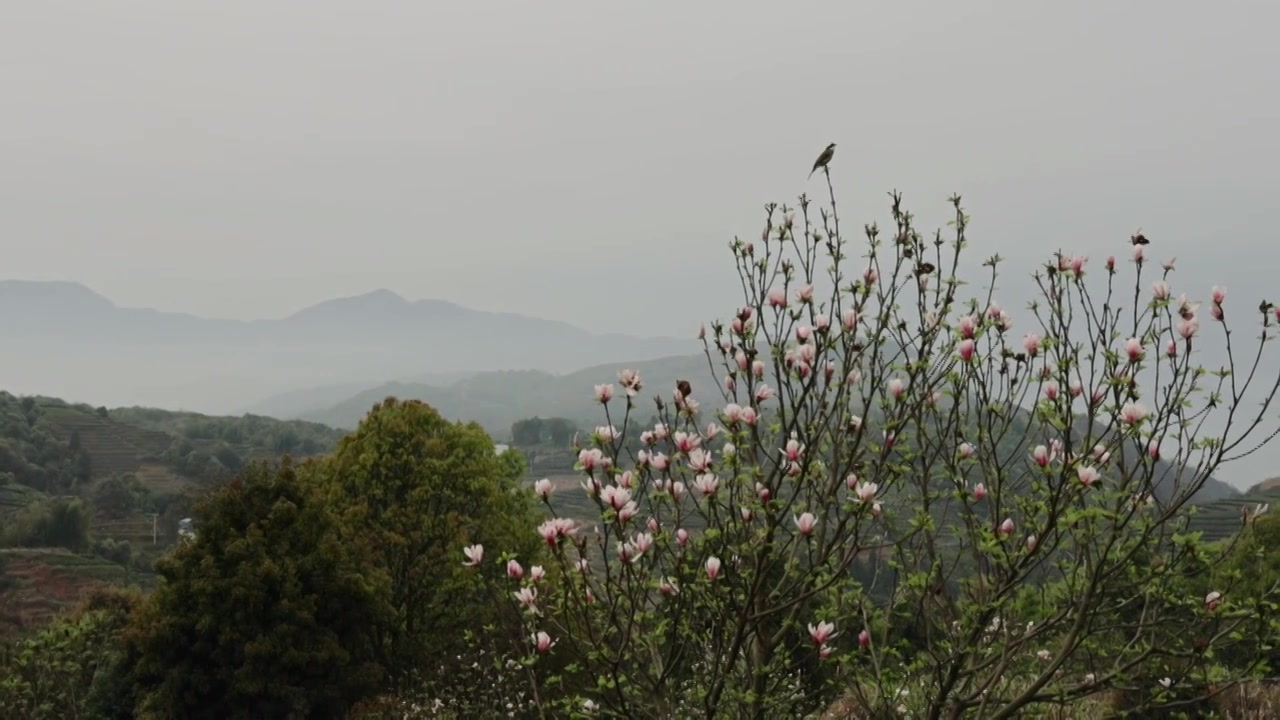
[[49, 580]]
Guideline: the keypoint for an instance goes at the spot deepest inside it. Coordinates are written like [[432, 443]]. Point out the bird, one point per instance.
[[1139, 239], [823, 159], [684, 388]]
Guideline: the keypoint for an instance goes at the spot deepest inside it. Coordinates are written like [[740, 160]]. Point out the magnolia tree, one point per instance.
[[898, 501]]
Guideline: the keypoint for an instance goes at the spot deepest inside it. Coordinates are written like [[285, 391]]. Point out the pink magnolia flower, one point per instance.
[[870, 275], [966, 450], [793, 450], [967, 326], [750, 416], [1169, 264], [965, 350], [1040, 455], [604, 393], [763, 492], [979, 492], [1088, 475], [669, 587], [763, 392], [1133, 348], [1031, 542], [1219, 295], [1215, 312], [677, 490], [777, 298], [1171, 348], [514, 570], [864, 639], [1075, 388], [746, 513], [805, 523], [536, 573], [682, 537], [642, 542], [542, 641], [1031, 343], [732, 413], [543, 488], [474, 553], [1188, 327], [804, 293], [897, 387], [713, 567], [742, 360], [702, 331], [630, 381], [866, 491], [1153, 450], [803, 333], [849, 319], [757, 368], [1139, 254], [528, 597], [686, 442], [1160, 290], [1006, 527], [822, 632], [614, 496], [1212, 600], [659, 461], [1111, 263], [821, 322], [1133, 413], [706, 484], [824, 652], [591, 458], [1051, 390], [699, 460]]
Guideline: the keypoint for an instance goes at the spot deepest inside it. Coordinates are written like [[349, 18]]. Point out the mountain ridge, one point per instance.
[[65, 339]]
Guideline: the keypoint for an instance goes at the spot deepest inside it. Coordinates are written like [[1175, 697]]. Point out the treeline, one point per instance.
[[262, 434], [311, 587]]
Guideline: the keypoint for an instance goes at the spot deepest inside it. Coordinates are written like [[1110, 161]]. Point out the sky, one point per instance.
[[589, 161]]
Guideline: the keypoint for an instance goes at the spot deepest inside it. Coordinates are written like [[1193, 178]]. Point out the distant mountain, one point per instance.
[[65, 339], [498, 399]]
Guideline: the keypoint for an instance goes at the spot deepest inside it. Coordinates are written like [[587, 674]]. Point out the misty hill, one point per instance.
[[496, 400], [66, 340]]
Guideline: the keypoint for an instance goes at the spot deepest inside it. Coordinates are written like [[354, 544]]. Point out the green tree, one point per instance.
[[264, 614], [527, 432], [70, 668], [561, 431], [413, 487]]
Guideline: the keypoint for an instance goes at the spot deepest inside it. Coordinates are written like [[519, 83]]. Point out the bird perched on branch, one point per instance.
[[823, 159]]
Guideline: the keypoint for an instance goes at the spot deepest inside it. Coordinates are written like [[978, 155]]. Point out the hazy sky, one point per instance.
[[588, 161]]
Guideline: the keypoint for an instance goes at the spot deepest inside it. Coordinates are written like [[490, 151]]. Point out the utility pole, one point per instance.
[[154, 526]]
